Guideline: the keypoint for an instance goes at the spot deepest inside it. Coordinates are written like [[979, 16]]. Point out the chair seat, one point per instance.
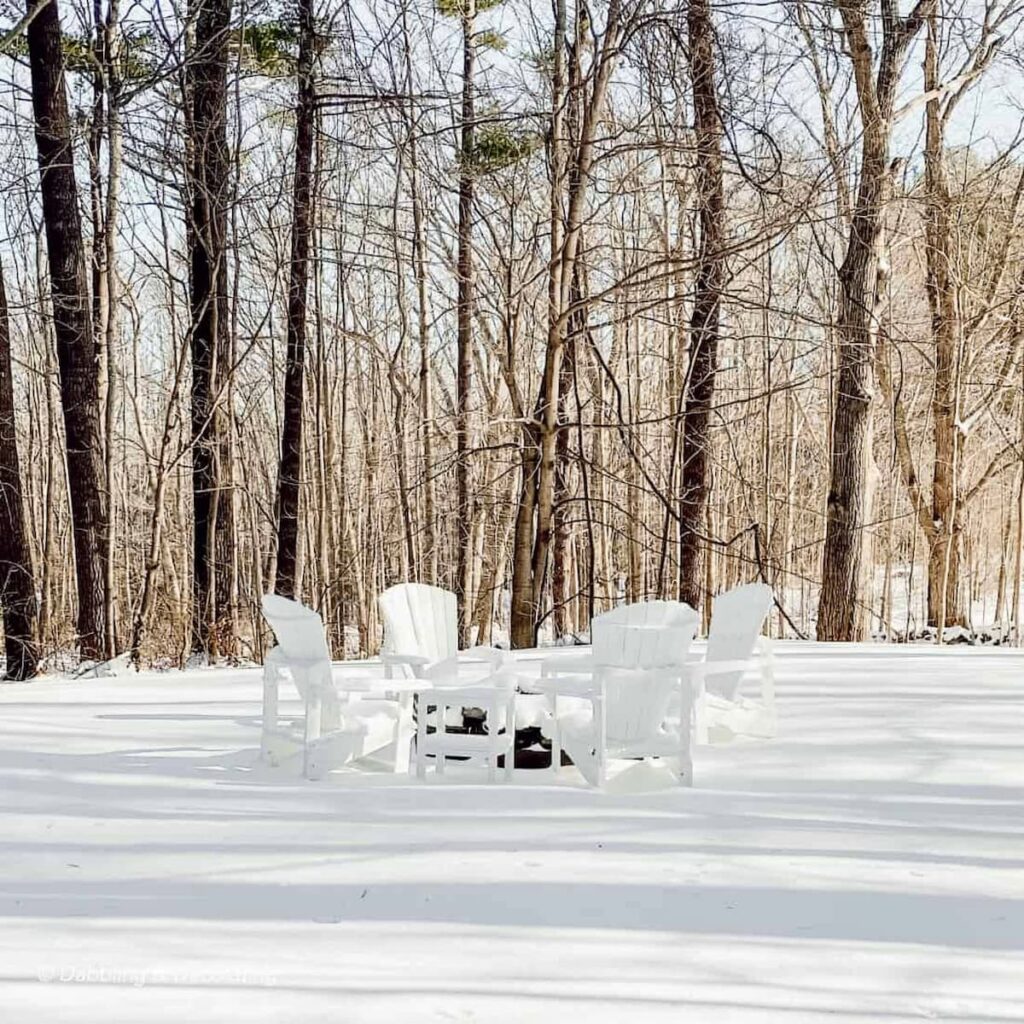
[[577, 731], [726, 719]]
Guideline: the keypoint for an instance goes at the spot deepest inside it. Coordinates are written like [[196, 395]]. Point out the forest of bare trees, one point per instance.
[[553, 304]]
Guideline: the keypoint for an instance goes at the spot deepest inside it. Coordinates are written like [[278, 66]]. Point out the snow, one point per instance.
[[867, 865]]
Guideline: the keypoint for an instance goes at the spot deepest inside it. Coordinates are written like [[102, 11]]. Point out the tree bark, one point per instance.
[[290, 473], [944, 557], [707, 303], [207, 84], [17, 585], [76, 344], [856, 328], [105, 121], [464, 512]]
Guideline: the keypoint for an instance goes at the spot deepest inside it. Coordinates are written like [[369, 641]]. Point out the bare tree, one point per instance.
[[707, 301], [209, 185], [876, 80], [464, 357], [17, 584], [76, 346], [289, 485]]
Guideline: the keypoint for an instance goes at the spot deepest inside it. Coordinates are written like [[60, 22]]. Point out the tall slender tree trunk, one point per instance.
[[1018, 536], [707, 303], [73, 329], [289, 480], [106, 123], [856, 328], [844, 532], [207, 86], [523, 614], [464, 511], [522, 625], [17, 585], [111, 214], [944, 556], [562, 592], [571, 169]]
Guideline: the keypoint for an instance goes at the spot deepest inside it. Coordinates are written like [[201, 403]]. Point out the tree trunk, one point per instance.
[[561, 589], [856, 327], [290, 473], [76, 344], [464, 513], [17, 585], [944, 562], [105, 121], [707, 302], [570, 166], [207, 85], [524, 610], [851, 431], [522, 623]]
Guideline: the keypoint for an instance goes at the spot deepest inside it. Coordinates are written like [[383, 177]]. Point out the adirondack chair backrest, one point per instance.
[[299, 630], [651, 635], [420, 620], [736, 621]]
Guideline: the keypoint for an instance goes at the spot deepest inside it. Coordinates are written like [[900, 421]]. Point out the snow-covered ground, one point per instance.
[[868, 865]]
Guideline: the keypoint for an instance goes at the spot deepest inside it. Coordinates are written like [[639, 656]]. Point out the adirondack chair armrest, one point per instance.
[[566, 664], [276, 659], [566, 686], [415, 663], [474, 695], [701, 669], [441, 673], [494, 656]]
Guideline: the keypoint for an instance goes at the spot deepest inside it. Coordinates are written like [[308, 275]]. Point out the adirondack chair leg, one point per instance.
[[270, 694], [510, 731], [601, 750], [495, 740], [421, 735], [556, 736], [404, 730], [440, 727], [311, 766], [689, 710], [768, 676], [699, 709], [494, 718]]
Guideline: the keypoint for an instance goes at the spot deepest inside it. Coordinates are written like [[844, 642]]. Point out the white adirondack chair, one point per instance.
[[638, 665], [335, 731], [421, 636], [421, 645], [735, 647]]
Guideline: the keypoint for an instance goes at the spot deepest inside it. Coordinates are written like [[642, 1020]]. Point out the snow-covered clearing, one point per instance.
[[868, 865]]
